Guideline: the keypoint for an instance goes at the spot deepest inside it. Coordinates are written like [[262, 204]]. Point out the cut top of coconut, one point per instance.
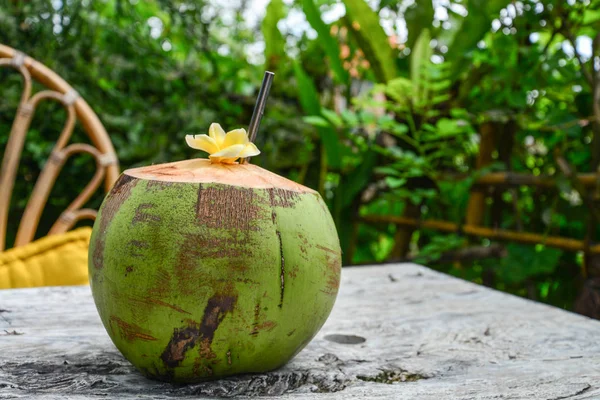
[[203, 171]]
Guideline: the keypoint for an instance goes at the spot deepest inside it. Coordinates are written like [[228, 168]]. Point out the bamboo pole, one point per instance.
[[476, 206], [403, 236], [504, 143], [508, 179], [479, 231], [518, 179]]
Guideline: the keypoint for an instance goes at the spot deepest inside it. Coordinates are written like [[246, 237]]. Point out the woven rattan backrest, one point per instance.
[[107, 166]]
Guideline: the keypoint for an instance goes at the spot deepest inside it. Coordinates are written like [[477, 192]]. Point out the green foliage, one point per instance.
[[527, 262], [378, 127], [474, 28], [419, 63], [371, 38], [418, 17], [309, 100], [330, 45], [433, 250], [274, 40]]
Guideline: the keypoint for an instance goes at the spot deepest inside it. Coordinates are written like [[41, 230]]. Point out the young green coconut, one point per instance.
[[208, 268]]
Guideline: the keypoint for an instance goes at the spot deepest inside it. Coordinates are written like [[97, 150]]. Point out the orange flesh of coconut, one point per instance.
[[203, 171]]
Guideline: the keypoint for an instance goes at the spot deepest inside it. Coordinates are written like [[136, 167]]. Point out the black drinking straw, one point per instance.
[[259, 108]]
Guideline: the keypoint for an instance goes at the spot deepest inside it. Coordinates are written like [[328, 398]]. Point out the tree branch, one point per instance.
[[567, 31]]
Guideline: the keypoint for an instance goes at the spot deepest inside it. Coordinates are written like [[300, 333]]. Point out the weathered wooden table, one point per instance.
[[396, 332]]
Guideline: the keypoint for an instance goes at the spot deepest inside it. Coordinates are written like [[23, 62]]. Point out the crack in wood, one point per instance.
[[582, 391], [2, 311], [393, 376], [11, 333]]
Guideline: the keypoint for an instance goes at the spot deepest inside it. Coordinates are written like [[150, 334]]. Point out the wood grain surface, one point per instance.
[[397, 332]]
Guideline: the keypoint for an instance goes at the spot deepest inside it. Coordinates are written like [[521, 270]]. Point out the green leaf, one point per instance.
[[274, 40], [387, 171], [329, 44], [525, 261], [591, 17], [307, 92], [356, 181], [363, 22], [332, 117], [394, 183], [317, 120], [350, 118], [449, 127], [401, 90], [419, 62], [309, 100], [433, 250], [351, 185], [419, 16], [473, 29], [441, 98]]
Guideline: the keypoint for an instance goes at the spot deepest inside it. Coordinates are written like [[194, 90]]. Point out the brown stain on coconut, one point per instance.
[[283, 198], [218, 247], [293, 273], [162, 286], [332, 272], [117, 196], [129, 331], [256, 319], [201, 369], [227, 208], [151, 302], [331, 286], [257, 325], [327, 250], [136, 246], [189, 272], [266, 326], [304, 246], [153, 185], [141, 214], [203, 334]]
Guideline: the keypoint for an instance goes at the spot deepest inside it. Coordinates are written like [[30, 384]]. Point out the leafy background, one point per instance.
[[375, 105]]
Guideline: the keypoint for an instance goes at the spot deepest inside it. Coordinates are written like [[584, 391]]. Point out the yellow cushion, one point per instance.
[[55, 260]]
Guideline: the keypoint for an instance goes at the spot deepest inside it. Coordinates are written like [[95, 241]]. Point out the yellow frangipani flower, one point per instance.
[[223, 147]]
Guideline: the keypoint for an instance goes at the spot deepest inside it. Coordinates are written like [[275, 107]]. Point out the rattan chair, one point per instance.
[[107, 166]]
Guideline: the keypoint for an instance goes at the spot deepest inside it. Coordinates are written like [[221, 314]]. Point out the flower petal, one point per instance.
[[231, 151], [217, 133], [202, 142], [224, 160], [250, 150], [236, 136]]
